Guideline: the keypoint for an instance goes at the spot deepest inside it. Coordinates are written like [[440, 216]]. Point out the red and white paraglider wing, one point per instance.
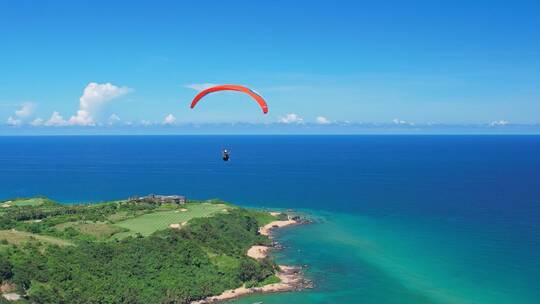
[[231, 87]]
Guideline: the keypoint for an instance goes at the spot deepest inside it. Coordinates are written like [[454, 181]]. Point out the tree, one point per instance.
[[41, 293], [6, 269]]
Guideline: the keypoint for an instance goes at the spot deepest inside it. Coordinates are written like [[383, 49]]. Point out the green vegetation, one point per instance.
[[57, 253], [282, 216], [147, 224], [35, 201], [20, 237], [99, 230], [263, 218], [273, 279]]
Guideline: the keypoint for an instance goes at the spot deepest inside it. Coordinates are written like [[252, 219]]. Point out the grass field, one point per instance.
[[96, 229], [149, 223], [119, 216], [20, 237], [37, 201]]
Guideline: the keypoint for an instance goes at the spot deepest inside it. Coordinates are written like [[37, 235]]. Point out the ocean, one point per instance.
[[398, 219]]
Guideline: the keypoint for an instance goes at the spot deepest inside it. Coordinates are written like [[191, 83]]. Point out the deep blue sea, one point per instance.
[[399, 219]]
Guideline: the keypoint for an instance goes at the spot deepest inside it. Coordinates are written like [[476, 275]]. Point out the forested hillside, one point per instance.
[[50, 253]]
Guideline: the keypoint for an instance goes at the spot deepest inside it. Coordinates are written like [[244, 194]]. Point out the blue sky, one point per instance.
[[328, 62]]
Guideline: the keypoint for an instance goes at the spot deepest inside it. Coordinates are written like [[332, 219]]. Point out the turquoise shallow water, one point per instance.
[[400, 219], [401, 260]]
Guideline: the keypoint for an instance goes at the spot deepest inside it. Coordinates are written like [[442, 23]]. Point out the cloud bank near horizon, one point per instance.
[[170, 126], [94, 97], [27, 108]]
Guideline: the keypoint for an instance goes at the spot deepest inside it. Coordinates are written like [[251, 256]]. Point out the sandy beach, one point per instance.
[[265, 230], [290, 276], [258, 252]]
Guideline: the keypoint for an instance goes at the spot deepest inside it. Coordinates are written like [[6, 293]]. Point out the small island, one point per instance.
[[151, 249]]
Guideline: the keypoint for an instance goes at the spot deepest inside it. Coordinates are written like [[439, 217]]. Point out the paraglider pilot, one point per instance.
[[226, 155]]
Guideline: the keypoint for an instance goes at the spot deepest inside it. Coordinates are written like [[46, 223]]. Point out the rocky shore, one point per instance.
[[291, 278]]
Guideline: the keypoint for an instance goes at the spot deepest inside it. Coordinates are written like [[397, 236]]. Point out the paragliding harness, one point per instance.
[[225, 155]]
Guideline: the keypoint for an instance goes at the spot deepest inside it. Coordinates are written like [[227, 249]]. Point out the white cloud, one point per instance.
[[321, 120], [56, 120], [13, 121], [94, 96], [499, 123], [146, 122], [290, 118], [199, 86], [83, 118], [37, 122], [398, 121], [114, 119], [26, 109], [169, 120]]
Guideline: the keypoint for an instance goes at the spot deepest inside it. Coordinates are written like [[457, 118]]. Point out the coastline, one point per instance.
[[115, 222], [267, 229], [290, 277]]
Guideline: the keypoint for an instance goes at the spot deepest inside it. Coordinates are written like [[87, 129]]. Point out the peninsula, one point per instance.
[[153, 249]]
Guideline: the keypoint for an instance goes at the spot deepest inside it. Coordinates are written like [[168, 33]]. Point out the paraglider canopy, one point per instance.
[[231, 87]]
